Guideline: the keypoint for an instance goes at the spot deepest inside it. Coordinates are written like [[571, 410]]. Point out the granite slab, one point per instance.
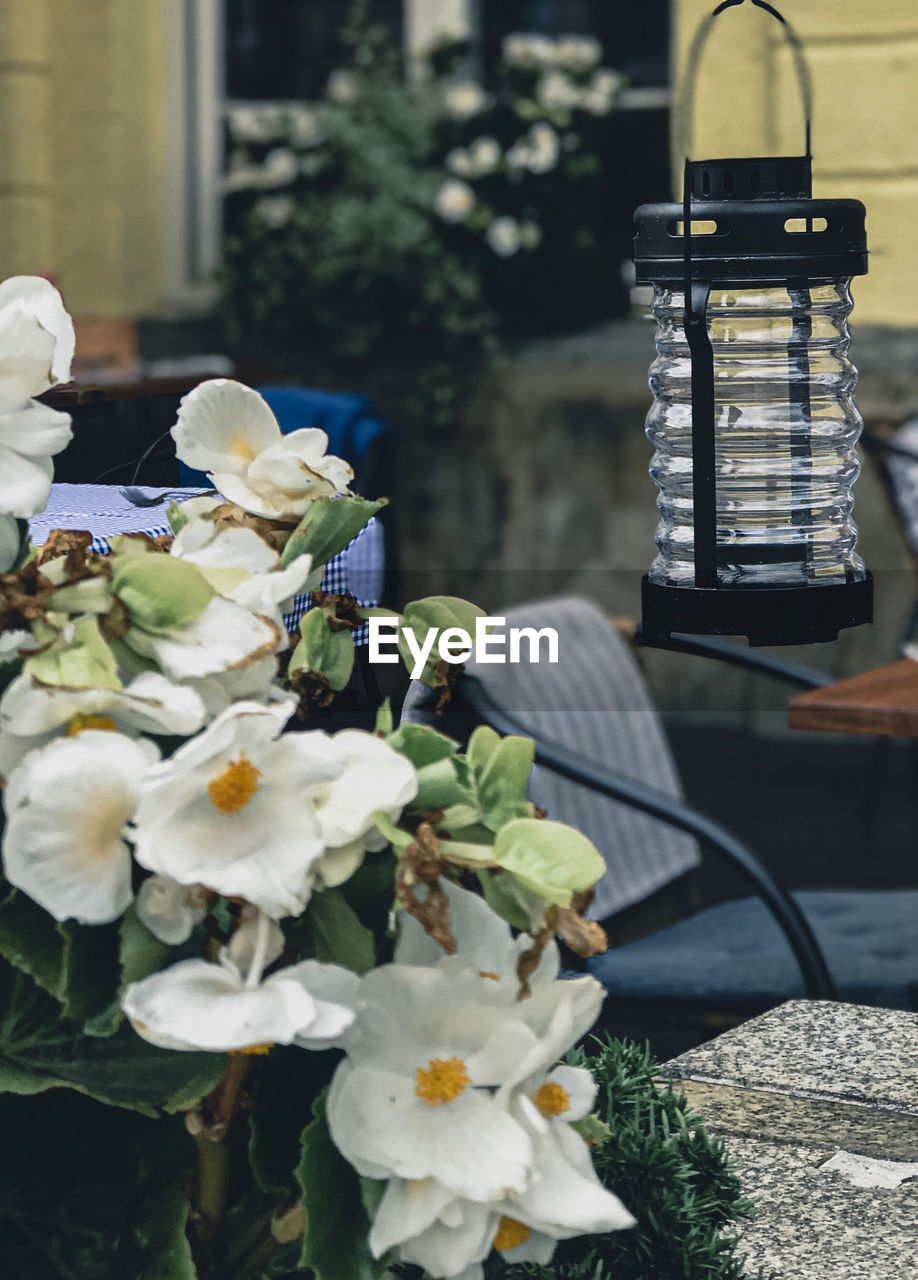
[[835, 1076], [813, 1223]]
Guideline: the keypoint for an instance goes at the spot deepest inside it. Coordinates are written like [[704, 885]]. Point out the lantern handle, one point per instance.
[[700, 39]]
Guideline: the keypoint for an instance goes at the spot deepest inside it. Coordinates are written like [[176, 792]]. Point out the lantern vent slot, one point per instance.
[[796, 226], [700, 227]]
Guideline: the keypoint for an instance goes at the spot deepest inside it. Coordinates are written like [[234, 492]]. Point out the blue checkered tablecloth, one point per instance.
[[104, 511]]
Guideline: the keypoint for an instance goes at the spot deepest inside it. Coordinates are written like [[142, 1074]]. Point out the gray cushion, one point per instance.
[[594, 702], [735, 954]]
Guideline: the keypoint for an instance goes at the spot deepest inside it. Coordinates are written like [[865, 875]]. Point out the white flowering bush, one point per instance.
[[315, 973], [526, 155]]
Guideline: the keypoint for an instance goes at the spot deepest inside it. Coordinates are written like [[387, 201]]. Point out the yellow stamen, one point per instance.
[[510, 1234], [232, 789], [443, 1080], [76, 724], [552, 1100], [486, 973], [256, 1050]]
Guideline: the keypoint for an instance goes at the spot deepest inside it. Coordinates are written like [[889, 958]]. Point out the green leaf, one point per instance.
[[500, 895], [323, 651], [289, 1082], [155, 1245], [160, 592], [90, 972], [384, 721], [31, 940], [335, 933], [482, 745], [328, 526], [176, 517], [434, 613], [83, 662], [446, 782], [39, 1050], [504, 780], [550, 859], [139, 955], [421, 744], [337, 1226]]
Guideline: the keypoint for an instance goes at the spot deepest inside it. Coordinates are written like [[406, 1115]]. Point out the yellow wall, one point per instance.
[[863, 55], [82, 147]]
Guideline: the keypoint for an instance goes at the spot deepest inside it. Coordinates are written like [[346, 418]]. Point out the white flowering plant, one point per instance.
[[522, 192], [302, 986]]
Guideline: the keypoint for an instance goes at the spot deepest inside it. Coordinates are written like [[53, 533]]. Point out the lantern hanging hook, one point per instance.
[[700, 39]]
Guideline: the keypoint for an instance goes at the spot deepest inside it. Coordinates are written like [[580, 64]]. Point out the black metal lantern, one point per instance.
[[753, 420]]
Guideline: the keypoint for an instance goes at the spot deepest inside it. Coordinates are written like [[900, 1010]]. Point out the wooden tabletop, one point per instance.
[[879, 702]]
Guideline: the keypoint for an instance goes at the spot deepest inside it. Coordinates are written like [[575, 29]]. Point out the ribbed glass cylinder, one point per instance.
[[785, 436]]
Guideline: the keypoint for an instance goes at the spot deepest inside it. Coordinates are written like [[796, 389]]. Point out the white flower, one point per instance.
[[503, 236], [375, 778], [253, 123], [413, 1098], [36, 348], [280, 168], [342, 87], [545, 148], [67, 807], [530, 235], [228, 809], [527, 51], [254, 683], [485, 155], [229, 431], [577, 53], [275, 211], [195, 1005], [304, 126], [557, 92], [9, 542], [170, 910], [31, 714], [242, 567], [455, 201], [463, 100], [225, 638], [459, 161]]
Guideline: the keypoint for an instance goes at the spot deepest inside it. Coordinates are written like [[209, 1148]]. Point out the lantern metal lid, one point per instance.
[[752, 223]]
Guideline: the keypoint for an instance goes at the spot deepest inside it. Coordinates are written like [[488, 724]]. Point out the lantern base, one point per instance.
[[765, 615]]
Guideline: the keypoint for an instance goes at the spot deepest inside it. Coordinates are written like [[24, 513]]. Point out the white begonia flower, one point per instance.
[[275, 211], [485, 155], [225, 638], [577, 53], [413, 1098], [503, 236], [67, 807], [455, 201], [256, 940], [195, 1005], [228, 809], [31, 714], [170, 910], [9, 542], [342, 87], [557, 92], [256, 683], [463, 100], [375, 779], [241, 566], [229, 431], [36, 348]]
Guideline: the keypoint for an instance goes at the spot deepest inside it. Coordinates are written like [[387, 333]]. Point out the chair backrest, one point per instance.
[[900, 464], [349, 422], [594, 702]]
